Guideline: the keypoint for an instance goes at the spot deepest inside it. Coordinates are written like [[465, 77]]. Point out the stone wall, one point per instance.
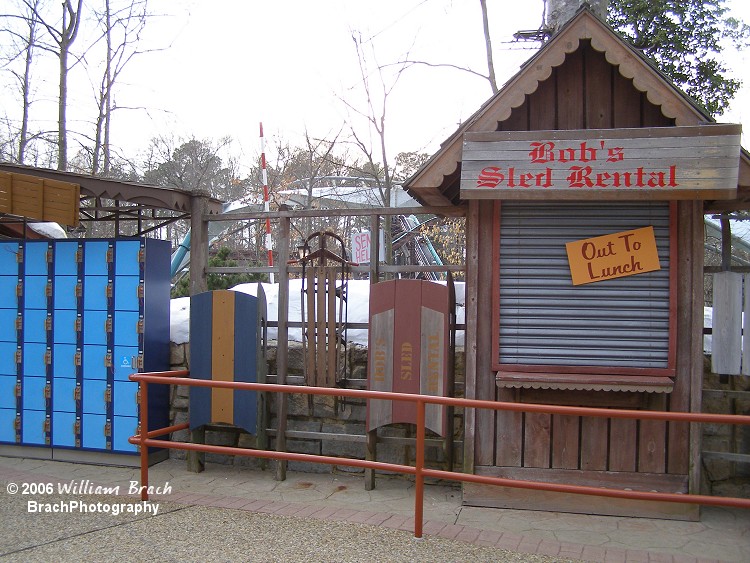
[[326, 415], [347, 417]]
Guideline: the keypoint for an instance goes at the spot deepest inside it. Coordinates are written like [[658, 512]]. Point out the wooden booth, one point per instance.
[[586, 180]]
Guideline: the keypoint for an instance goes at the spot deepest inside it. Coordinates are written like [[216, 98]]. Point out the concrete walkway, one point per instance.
[[721, 535]]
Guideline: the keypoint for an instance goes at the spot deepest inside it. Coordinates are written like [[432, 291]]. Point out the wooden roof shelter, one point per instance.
[[104, 199], [633, 342]]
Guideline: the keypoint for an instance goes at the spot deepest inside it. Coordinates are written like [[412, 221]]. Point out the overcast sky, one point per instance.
[[227, 65]]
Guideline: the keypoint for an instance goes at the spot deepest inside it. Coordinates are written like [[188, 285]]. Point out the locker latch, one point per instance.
[[48, 357], [49, 255], [108, 429], [17, 422], [138, 362], [78, 323], [110, 254], [48, 323], [19, 289], [108, 360], [77, 432], [19, 321], [79, 289], [142, 255], [77, 358], [140, 291], [139, 327], [48, 391], [138, 395], [108, 395], [18, 355], [48, 289], [109, 290], [47, 424], [79, 255], [18, 388], [77, 395], [19, 255], [108, 324]]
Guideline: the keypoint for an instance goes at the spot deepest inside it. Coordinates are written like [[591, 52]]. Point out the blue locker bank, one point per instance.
[[77, 317]]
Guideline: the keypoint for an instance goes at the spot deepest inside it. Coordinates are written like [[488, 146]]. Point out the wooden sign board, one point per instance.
[[408, 350], [658, 163], [39, 198], [225, 345], [613, 256]]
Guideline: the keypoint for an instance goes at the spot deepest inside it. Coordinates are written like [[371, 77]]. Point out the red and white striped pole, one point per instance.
[[269, 240]]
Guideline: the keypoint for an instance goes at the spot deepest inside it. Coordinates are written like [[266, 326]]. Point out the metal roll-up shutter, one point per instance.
[[545, 320]]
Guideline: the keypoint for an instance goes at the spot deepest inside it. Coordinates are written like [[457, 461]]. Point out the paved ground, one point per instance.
[[237, 513]]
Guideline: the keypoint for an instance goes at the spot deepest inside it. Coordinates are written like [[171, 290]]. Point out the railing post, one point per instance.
[[419, 466], [144, 436]]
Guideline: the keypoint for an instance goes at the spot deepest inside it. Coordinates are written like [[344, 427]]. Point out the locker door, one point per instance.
[[8, 392], [126, 293], [94, 396], [95, 258], [94, 327], [65, 292], [64, 326], [35, 292], [35, 258], [125, 360], [8, 331], [8, 254], [7, 426], [123, 428], [8, 290], [8, 364], [65, 258], [126, 257], [126, 398], [34, 325], [64, 360], [64, 394], [93, 428], [32, 393], [126, 328], [94, 362], [34, 363], [32, 427], [63, 429], [95, 293]]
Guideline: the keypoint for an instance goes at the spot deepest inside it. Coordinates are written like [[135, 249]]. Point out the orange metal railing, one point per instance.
[[418, 470]]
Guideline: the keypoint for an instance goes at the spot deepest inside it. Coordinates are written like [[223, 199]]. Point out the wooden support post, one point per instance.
[[372, 435], [198, 244], [282, 343], [196, 461]]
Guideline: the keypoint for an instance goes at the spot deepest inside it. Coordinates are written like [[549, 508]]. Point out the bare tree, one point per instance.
[[122, 26], [63, 40], [488, 45]]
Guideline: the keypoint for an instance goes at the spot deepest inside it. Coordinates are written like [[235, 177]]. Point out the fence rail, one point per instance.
[[418, 470]]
